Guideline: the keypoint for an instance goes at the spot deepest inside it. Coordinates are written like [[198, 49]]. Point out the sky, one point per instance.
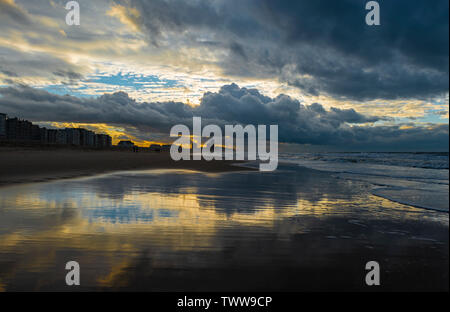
[[135, 68]]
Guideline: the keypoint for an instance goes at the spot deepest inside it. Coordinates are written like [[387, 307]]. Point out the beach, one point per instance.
[[154, 229], [25, 165], [326, 126]]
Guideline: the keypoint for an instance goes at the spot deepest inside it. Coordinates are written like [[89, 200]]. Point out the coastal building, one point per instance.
[[18, 130], [2, 126], [61, 137], [87, 138], [23, 131], [12, 125], [73, 136], [35, 133], [51, 136], [155, 148], [125, 144], [102, 140], [83, 136], [99, 141], [43, 135], [90, 138], [165, 148]]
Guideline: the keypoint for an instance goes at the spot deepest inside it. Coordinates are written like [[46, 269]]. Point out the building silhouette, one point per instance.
[[155, 148], [61, 137], [23, 131], [87, 138], [2, 126], [125, 144], [51, 136], [73, 136], [102, 140], [165, 148], [18, 130]]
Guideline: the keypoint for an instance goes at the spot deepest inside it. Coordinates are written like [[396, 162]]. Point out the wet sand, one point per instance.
[[295, 229], [21, 165]]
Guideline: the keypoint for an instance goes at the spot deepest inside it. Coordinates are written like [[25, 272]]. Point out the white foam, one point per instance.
[[418, 187]]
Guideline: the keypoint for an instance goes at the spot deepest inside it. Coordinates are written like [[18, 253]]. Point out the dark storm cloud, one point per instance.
[[319, 46], [298, 123]]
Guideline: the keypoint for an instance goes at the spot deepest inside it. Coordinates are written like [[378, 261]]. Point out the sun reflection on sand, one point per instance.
[[171, 217]]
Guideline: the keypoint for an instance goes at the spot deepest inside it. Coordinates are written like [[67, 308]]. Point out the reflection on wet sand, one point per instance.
[[294, 229]]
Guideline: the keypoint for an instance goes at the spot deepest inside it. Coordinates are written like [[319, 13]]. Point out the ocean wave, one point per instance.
[[414, 160], [416, 179]]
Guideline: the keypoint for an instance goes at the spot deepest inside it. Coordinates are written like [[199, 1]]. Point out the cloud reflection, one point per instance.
[[136, 229]]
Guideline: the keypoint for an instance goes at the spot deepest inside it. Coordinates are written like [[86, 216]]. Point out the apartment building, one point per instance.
[[2, 126]]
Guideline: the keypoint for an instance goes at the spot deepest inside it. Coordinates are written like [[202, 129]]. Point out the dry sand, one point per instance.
[[22, 165]]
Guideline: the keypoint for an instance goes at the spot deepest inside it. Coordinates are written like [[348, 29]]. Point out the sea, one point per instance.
[[416, 179]]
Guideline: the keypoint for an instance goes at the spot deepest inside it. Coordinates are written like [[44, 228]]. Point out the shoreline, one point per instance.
[[417, 190], [243, 232], [21, 165]]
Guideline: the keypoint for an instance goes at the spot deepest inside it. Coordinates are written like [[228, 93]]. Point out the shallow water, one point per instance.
[[293, 229], [416, 179]]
